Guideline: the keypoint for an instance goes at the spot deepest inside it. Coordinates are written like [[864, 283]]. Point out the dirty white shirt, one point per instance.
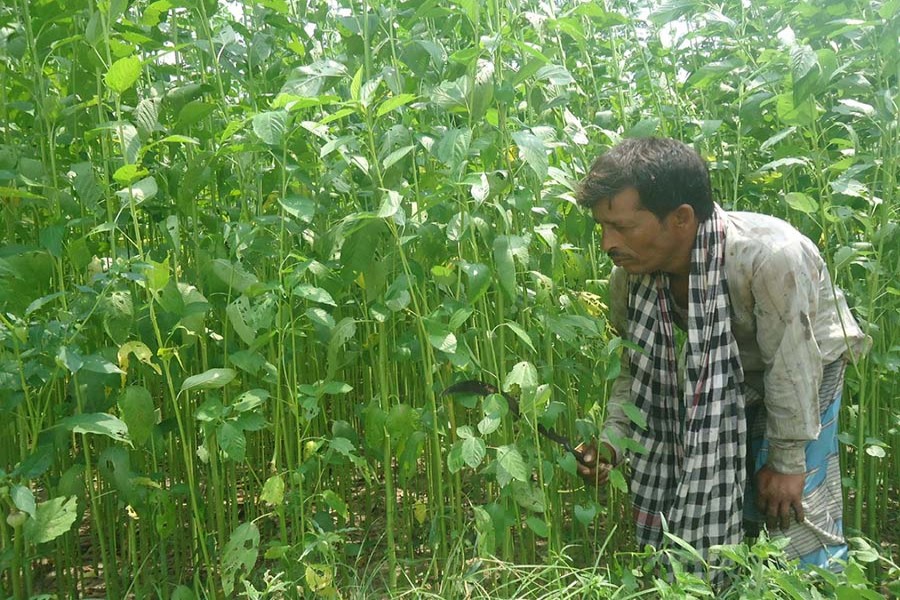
[[788, 321]]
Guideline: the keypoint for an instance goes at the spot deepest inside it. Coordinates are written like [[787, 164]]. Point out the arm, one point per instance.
[[785, 290], [617, 424]]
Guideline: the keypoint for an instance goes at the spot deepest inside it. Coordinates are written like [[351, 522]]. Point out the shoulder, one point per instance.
[[756, 242]]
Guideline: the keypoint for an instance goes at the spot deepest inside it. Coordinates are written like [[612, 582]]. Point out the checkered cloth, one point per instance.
[[693, 473]]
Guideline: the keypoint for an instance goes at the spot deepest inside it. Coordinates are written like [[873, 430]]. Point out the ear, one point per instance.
[[683, 216]]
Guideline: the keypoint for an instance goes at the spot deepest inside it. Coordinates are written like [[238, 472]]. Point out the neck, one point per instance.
[[680, 265]]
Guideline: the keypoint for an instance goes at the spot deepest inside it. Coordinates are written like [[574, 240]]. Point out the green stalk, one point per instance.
[[217, 487], [390, 498], [18, 552], [109, 572], [197, 528]]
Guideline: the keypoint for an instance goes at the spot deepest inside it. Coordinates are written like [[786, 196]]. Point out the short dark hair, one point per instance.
[[666, 174]]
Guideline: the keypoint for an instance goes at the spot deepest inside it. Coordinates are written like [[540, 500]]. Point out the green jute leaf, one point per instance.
[[52, 519], [240, 554], [533, 152], [510, 465], [473, 451], [98, 423], [208, 380], [138, 412], [801, 202], [273, 491], [123, 74]]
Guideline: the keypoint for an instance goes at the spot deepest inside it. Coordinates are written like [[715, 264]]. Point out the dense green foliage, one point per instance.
[[245, 247]]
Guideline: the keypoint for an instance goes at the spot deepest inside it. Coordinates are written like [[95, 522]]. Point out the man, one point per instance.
[[766, 339]]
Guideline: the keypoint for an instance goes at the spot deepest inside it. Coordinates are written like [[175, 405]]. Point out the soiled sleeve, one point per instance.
[[785, 288], [617, 424]]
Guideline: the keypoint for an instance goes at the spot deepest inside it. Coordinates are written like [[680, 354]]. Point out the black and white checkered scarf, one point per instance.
[[693, 473]]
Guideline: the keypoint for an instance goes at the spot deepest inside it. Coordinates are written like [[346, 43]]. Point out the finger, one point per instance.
[[603, 475], [770, 511], [771, 522], [784, 516], [798, 510]]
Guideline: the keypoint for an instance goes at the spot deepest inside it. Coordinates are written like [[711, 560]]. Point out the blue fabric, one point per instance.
[[818, 454]]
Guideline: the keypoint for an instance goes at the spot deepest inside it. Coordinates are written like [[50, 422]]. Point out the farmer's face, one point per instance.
[[639, 242]]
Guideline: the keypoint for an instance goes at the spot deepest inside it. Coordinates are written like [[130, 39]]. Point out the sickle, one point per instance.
[[480, 388]]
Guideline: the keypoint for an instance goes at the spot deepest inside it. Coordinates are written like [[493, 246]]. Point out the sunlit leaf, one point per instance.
[[208, 380], [440, 336], [139, 192], [123, 74], [51, 519], [393, 103], [311, 292], [154, 12], [319, 579], [97, 424], [395, 156], [521, 334], [473, 451], [140, 351], [533, 151], [389, 205], [801, 202], [555, 74], [848, 106], [23, 498], [273, 491], [522, 376], [510, 465], [271, 126], [792, 112]]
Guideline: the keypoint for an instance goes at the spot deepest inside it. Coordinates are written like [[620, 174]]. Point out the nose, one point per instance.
[[608, 239]]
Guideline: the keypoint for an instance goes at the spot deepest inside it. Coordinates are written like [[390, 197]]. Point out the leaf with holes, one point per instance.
[[239, 555]]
